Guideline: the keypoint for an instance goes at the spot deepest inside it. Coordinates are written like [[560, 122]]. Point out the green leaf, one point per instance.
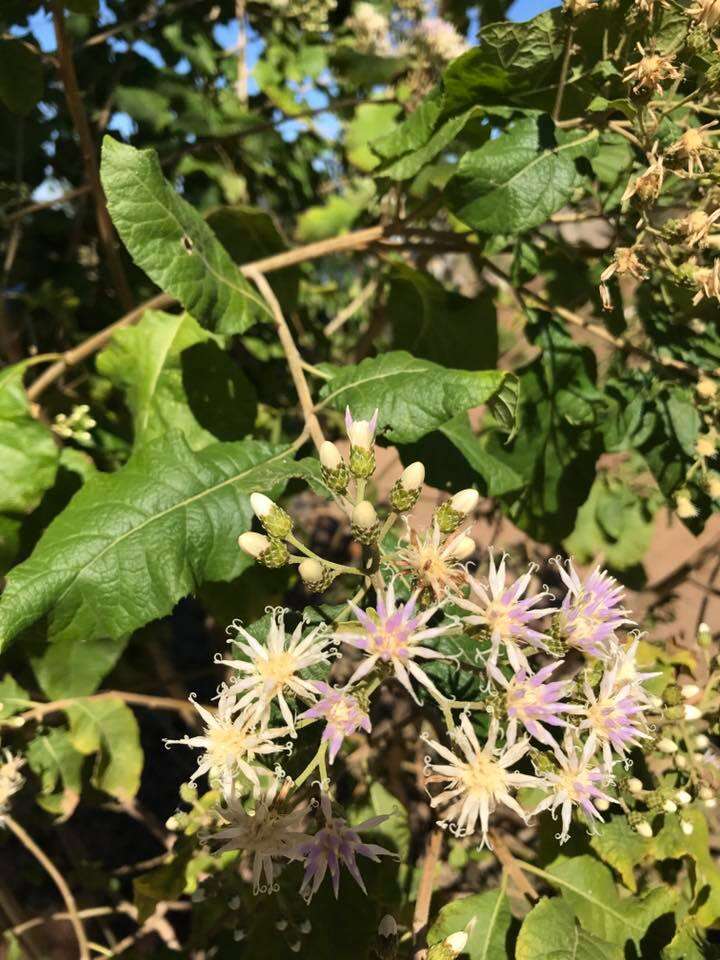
[[55, 760], [491, 912], [171, 242], [396, 829], [28, 453], [75, 667], [620, 846], [550, 932], [13, 698], [132, 543], [336, 215], [176, 377], [499, 477], [413, 396], [518, 180], [109, 729], [21, 75], [588, 887], [414, 132], [412, 163], [441, 325], [371, 121]]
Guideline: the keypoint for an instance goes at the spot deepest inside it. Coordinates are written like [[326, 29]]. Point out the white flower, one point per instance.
[[271, 672], [627, 671], [330, 456], [266, 832], [577, 782], [441, 38], [396, 637], [436, 564], [230, 743], [478, 780], [361, 432], [253, 543]]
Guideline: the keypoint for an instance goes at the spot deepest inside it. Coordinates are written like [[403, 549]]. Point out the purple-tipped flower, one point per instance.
[[591, 611], [532, 702], [342, 713], [506, 613], [361, 432], [615, 715], [396, 637], [577, 782], [334, 844]]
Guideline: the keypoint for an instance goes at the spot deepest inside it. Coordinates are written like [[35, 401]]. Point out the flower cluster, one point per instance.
[[565, 698]]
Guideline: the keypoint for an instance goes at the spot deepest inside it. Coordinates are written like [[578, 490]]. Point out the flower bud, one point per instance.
[[681, 761], [690, 690], [634, 785], [465, 501], [706, 388], [388, 926], [362, 439], [330, 456], [269, 552], [692, 712], [684, 507], [406, 490], [450, 947], [462, 548], [702, 742], [602, 804], [704, 636], [669, 806], [672, 694], [315, 575], [665, 745], [276, 521], [711, 803], [365, 526], [686, 827], [644, 829], [713, 485], [683, 797]]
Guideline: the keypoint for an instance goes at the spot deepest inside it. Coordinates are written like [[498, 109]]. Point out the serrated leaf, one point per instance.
[[21, 75], [411, 163], [109, 729], [176, 377], [28, 453], [550, 932], [171, 242], [620, 846], [132, 543], [413, 396], [518, 180], [491, 912], [55, 760]]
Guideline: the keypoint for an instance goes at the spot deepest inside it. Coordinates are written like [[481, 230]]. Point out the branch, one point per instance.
[[89, 155], [351, 309], [65, 892], [293, 357], [357, 240], [513, 867], [425, 891], [40, 710]]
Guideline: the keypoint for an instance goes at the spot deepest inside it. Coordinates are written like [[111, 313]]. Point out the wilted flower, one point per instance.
[[434, 563], [342, 713], [479, 780], [591, 611], [334, 844], [506, 613], [705, 12], [272, 671], [693, 146], [11, 780], [647, 185], [576, 782], [647, 74], [532, 702], [230, 743], [625, 263], [615, 716], [696, 226], [266, 832], [708, 281], [396, 638]]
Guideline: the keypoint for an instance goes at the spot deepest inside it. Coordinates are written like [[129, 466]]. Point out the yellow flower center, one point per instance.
[[278, 668], [484, 776], [339, 713], [226, 743]]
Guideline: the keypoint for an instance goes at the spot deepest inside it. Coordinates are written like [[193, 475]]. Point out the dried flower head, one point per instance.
[[11, 780], [694, 146], [647, 186], [697, 225], [273, 671], [625, 263], [478, 780], [707, 279], [439, 39], [706, 13], [434, 562], [647, 74], [371, 29]]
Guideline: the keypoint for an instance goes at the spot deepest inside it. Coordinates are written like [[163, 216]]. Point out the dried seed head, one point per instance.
[[647, 74]]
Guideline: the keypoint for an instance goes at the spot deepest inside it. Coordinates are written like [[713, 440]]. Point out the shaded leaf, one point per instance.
[[21, 75], [109, 729], [491, 912], [55, 760], [550, 932]]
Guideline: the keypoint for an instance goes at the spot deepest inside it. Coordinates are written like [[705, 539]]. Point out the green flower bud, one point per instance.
[[365, 525], [362, 462], [274, 519], [704, 636], [672, 695], [315, 575], [333, 469]]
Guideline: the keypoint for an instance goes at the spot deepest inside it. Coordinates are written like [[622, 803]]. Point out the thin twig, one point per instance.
[[351, 309], [27, 841], [512, 866], [89, 155], [564, 72], [241, 87], [40, 710], [357, 240], [425, 892], [293, 358]]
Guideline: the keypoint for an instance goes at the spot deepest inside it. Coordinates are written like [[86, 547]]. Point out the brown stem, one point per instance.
[[425, 891], [89, 155], [511, 866], [564, 72], [44, 204], [357, 240], [293, 357], [40, 710], [27, 841]]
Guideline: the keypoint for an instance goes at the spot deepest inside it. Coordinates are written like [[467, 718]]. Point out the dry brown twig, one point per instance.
[[433, 849]]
